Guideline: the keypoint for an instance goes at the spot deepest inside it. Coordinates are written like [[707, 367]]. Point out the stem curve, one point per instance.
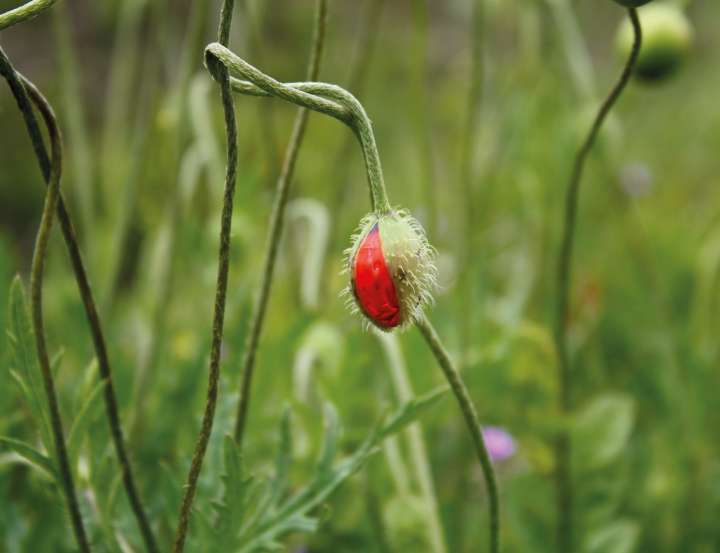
[[36, 290], [18, 85], [326, 98]]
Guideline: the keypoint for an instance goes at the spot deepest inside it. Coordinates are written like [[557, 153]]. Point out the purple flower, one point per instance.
[[500, 444]]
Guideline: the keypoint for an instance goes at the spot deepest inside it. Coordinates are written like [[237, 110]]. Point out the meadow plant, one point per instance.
[[409, 254], [51, 168]]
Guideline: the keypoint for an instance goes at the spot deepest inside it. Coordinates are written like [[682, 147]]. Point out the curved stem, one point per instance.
[[26, 11], [36, 289], [473, 423], [221, 286], [563, 471], [326, 98], [277, 219], [18, 84]]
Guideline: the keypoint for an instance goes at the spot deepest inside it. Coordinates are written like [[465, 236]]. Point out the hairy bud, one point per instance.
[[392, 270]]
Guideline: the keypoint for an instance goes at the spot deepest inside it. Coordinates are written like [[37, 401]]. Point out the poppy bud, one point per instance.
[[667, 35], [392, 270]]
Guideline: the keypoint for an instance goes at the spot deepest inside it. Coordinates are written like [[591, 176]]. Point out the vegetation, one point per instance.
[[179, 368]]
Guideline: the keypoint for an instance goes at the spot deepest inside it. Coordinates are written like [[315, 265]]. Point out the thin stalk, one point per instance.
[[19, 86], [418, 451], [466, 167], [378, 527], [74, 107], [467, 281], [226, 13], [277, 220], [473, 423], [423, 111], [23, 13], [36, 290], [364, 50], [563, 472], [193, 43]]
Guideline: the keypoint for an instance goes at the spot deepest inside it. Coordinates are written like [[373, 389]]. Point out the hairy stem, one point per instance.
[[563, 470], [221, 286], [19, 85], [473, 423], [36, 290], [277, 219], [325, 98], [26, 11]]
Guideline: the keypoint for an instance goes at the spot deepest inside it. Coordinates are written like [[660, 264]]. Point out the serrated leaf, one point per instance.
[[238, 489], [601, 430], [620, 536], [24, 366], [293, 514], [33, 457]]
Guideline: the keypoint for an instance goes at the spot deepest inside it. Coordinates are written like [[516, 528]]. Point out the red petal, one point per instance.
[[372, 283]]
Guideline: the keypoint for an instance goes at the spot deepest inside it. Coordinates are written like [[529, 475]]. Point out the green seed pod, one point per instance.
[[632, 3], [667, 36]]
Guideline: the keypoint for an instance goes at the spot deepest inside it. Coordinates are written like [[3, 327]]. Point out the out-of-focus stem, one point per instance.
[[277, 220], [418, 452], [563, 470]]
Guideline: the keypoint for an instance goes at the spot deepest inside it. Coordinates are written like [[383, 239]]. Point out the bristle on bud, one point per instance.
[[392, 270]]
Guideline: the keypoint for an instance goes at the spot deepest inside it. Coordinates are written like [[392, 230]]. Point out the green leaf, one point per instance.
[[618, 537], [277, 516], [601, 430], [24, 367], [31, 455]]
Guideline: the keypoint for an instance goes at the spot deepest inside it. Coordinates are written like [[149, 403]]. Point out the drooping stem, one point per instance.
[[563, 470], [19, 85], [221, 286], [325, 98], [473, 423], [36, 290], [26, 11], [277, 219]]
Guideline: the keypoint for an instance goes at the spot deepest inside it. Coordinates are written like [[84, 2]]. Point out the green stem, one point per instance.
[[19, 85], [325, 98], [22, 13], [473, 423], [221, 286], [277, 219], [563, 471], [418, 452], [36, 290]]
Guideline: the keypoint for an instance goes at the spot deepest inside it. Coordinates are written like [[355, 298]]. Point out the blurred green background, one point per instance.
[[483, 167]]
